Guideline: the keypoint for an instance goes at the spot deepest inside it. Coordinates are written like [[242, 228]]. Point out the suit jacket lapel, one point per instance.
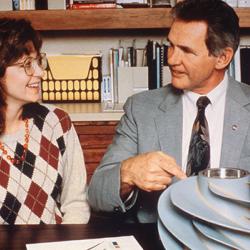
[[236, 125], [169, 124]]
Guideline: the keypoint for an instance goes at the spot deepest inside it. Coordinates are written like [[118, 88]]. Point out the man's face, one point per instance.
[[192, 68]]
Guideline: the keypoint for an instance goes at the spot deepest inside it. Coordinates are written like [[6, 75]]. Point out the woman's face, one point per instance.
[[21, 86]]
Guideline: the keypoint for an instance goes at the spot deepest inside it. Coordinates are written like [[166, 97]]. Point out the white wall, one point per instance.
[[57, 42], [80, 42]]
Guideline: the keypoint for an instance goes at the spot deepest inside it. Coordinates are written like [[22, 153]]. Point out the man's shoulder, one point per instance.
[[239, 88], [154, 96], [246, 88]]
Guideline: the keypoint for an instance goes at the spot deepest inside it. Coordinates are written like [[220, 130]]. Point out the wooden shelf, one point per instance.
[[137, 18], [244, 15], [106, 19]]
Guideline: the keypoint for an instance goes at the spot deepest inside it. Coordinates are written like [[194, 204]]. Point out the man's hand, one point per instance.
[[150, 172]]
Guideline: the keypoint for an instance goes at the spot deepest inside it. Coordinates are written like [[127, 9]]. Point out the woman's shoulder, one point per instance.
[[57, 116], [54, 110], [50, 114]]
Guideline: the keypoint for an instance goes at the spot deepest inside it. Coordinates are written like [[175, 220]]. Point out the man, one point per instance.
[[151, 145]]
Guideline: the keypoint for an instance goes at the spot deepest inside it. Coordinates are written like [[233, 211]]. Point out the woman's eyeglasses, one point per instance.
[[30, 64]]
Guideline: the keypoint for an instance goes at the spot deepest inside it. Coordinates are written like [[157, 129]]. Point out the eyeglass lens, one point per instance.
[[31, 64]]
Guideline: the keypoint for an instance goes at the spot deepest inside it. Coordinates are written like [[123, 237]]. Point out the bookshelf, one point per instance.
[[106, 19]]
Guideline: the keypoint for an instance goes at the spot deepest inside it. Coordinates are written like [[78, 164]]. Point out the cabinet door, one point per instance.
[[94, 136]]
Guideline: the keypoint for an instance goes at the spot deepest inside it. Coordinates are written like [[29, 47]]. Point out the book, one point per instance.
[[131, 3], [245, 64], [92, 1], [115, 55], [27, 4], [76, 6], [41, 5], [106, 93], [151, 64], [231, 69], [156, 59], [140, 57], [158, 66], [111, 66], [237, 71]]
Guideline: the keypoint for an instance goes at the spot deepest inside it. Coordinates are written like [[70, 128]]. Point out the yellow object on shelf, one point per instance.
[[72, 78]]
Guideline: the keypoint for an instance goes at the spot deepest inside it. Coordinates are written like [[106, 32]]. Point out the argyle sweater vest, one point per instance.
[[30, 191]]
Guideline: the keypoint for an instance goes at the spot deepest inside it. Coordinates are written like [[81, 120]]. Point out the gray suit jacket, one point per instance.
[[153, 121]]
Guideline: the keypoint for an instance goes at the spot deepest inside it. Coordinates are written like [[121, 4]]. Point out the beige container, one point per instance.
[[72, 78]]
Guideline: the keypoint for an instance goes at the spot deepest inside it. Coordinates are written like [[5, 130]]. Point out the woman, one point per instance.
[[42, 171]]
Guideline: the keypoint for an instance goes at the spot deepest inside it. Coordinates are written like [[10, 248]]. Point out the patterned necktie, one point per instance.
[[199, 149]]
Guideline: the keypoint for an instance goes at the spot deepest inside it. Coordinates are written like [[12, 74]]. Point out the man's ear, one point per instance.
[[224, 58]]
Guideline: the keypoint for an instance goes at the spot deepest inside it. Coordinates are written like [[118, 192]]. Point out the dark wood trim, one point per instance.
[[98, 19], [16, 237], [106, 19]]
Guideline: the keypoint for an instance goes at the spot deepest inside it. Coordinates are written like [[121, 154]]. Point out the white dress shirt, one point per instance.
[[215, 117]]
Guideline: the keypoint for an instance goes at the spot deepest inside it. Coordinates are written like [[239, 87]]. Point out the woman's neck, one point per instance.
[[13, 120]]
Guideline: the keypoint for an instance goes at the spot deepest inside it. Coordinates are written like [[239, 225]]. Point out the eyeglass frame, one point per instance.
[[43, 65]]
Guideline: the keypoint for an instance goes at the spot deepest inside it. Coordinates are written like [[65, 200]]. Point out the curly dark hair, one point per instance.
[[222, 21], [14, 37]]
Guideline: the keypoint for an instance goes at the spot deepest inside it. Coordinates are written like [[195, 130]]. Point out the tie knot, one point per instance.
[[202, 102]]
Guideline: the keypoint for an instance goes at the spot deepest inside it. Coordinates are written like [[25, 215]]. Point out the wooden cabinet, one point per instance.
[[95, 136]]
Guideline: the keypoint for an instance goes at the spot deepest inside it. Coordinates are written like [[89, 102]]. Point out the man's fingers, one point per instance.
[[154, 183], [170, 166], [154, 187]]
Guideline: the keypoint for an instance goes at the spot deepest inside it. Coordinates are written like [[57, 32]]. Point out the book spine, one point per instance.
[[92, 1], [150, 64], [158, 66], [106, 89], [93, 6], [245, 65], [68, 3], [41, 4], [22, 4], [231, 69], [237, 68], [31, 5], [115, 72], [111, 63], [161, 64], [15, 5]]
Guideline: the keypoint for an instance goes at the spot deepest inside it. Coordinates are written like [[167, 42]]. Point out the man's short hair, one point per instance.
[[222, 22]]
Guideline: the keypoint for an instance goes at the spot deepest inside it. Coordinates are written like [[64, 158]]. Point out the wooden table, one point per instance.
[[16, 237]]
